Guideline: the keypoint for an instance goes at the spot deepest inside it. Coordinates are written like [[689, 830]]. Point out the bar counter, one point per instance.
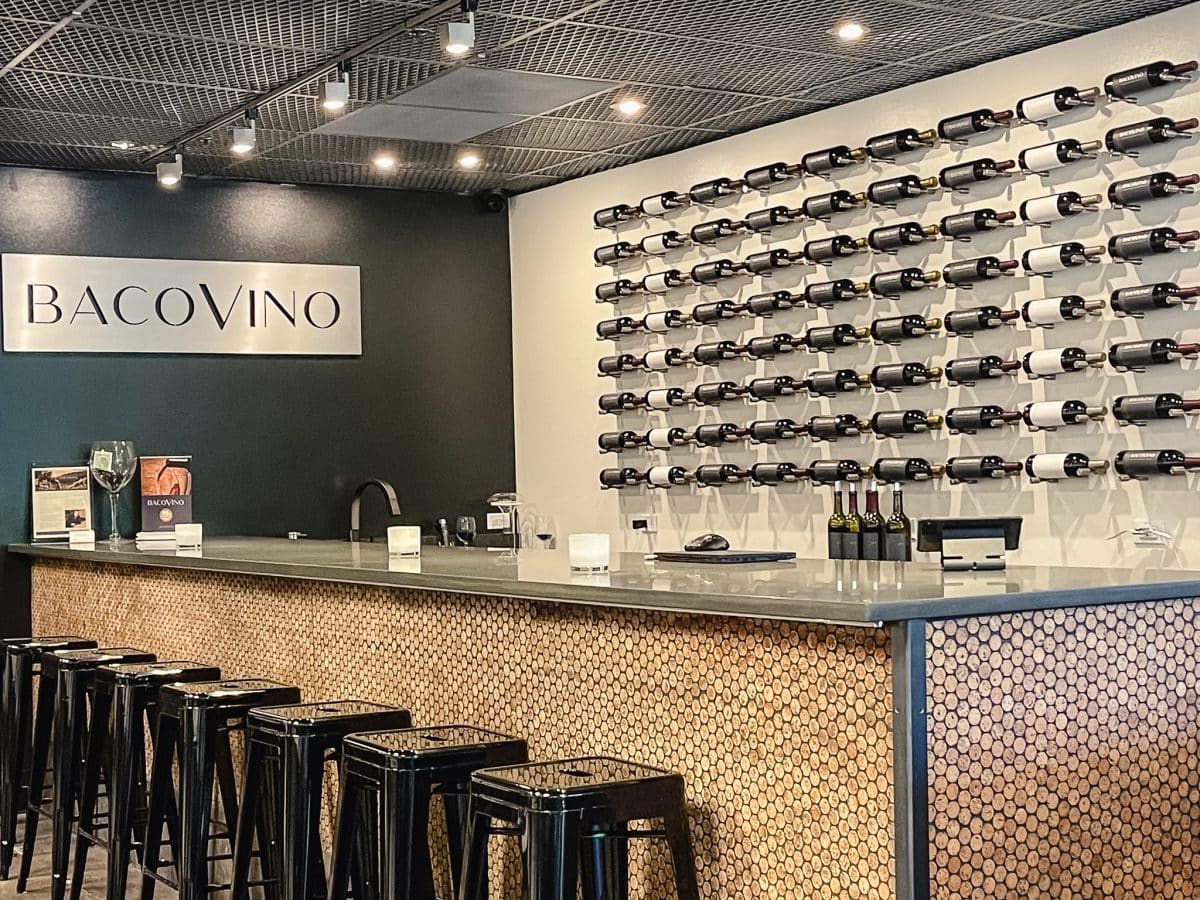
[[845, 729]]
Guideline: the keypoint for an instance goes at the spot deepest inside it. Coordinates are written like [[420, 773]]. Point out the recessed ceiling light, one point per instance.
[[629, 106], [849, 31], [122, 144], [170, 173], [384, 162], [470, 160]]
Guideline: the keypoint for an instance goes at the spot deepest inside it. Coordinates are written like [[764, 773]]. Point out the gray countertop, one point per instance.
[[855, 593]]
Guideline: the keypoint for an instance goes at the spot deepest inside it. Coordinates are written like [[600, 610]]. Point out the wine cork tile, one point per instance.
[[1064, 752], [782, 731]]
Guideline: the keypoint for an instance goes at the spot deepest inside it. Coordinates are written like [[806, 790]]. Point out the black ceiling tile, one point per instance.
[[665, 106], [587, 164], [756, 116], [519, 184], [668, 142], [40, 126], [1093, 15], [379, 77], [304, 171], [58, 156], [997, 44], [42, 10], [17, 36], [567, 134]]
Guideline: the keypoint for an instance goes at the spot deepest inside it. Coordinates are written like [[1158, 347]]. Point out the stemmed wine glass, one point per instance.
[[464, 529], [543, 528], [112, 464]]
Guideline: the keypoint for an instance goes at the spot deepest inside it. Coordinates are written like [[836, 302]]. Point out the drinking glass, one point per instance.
[[509, 502], [543, 528], [464, 529], [112, 464]]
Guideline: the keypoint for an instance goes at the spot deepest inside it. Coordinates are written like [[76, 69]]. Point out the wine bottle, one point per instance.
[[1046, 157], [1138, 409], [897, 530], [895, 376], [663, 399], [716, 435], [1151, 241], [1045, 210], [717, 474], [887, 147], [769, 431], [715, 352], [667, 476], [662, 243], [614, 215], [830, 428], [666, 438], [1137, 355], [617, 365], [768, 261], [664, 321], [899, 422], [826, 294], [970, 469], [896, 470], [902, 281], [872, 529], [822, 162], [1049, 363], [616, 441], [831, 471], [973, 419], [1128, 83], [892, 238], [963, 225], [1051, 311], [612, 291], [661, 282], [965, 322], [716, 311], [854, 525], [619, 478], [836, 525], [1057, 466], [663, 360], [661, 204], [1133, 191], [771, 474], [894, 329], [970, 369], [709, 192], [1141, 464], [761, 221], [713, 393], [832, 383], [611, 329], [891, 191], [965, 272], [619, 401], [966, 125], [827, 338], [1040, 108], [962, 175], [1137, 301], [765, 305], [826, 250], [825, 206], [763, 178], [1056, 258], [716, 270], [1127, 138], [709, 233], [611, 254], [771, 345], [1053, 414]]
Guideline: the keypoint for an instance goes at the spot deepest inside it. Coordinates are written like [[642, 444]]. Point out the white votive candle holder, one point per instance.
[[404, 540], [189, 536], [82, 537], [589, 552]]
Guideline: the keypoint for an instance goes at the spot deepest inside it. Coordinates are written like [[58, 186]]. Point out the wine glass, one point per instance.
[[509, 502], [543, 527], [112, 465], [464, 529]]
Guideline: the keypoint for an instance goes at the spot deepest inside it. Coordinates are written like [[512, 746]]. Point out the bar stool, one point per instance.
[[22, 667], [73, 672], [287, 747], [388, 780], [573, 817], [124, 713], [194, 724]]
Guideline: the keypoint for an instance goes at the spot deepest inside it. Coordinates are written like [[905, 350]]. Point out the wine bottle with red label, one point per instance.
[[1054, 467]]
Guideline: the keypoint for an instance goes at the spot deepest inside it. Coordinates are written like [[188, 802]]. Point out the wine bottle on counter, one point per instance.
[[854, 524], [666, 438], [961, 226], [716, 311], [1045, 158], [615, 366], [964, 126], [1050, 415], [1058, 466], [1140, 465], [890, 285], [1132, 192], [836, 526], [1137, 301], [1040, 108], [894, 329], [713, 393], [619, 401], [619, 478], [1128, 83], [966, 322], [664, 399], [716, 434], [718, 474], [709, 192], [661, 204], [826, 294], [900, 422], [970, 369], [1140, 409], [828, 338], [712, 353], [872, 529], [774, 474], [770, 345], [832, 471], [612, 329], [611, 216], [616, 441], [768, 261], [1127, 139], [762, 221], [1057, 258], [766, 305], [897, 530], [1051, 311], [664, 321], [832, 383], [1137, 356], [830, 428], [823, 162], [897, 376], [663, 360], [770, 431], [966, 272], [614, 254], [823, 207], [662, 282], [970, 469], [1150, 242], [974, 419], [960, 176], [897, 470], [712, 232], [1051, 363], [839, 246], [1048, 210], [886, 147], [614, 291], [667, 476], [892, 238], [763, 178], [716, 270], [891, 191]]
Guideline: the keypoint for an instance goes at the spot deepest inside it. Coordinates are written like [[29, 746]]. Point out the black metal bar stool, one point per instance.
[[74, 673], [194, 724], [288, 746], [22, 667], [124, 713], [573, 818], [388, 780]]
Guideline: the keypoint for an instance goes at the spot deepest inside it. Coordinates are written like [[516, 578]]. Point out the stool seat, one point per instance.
[[620, 787], [329, 717], [235, 695], [158, 673], [441, 746]]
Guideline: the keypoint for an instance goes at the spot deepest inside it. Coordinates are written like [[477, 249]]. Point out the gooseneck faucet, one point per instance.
[[356, 504]]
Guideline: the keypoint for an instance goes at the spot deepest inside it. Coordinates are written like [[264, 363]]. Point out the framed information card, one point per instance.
[[62, 502]]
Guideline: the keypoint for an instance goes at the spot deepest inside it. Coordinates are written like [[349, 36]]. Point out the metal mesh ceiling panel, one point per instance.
[[152, 71]]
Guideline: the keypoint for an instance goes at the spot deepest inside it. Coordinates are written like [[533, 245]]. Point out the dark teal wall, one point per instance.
[[278, 443]]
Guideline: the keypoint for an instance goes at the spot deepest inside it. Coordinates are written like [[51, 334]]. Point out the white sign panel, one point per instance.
[[97, 304]]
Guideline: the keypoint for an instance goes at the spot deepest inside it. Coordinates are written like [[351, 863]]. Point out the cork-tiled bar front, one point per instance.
[[844, 731]]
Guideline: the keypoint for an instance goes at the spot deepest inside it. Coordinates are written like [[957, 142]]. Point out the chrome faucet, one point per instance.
[[356, 504]]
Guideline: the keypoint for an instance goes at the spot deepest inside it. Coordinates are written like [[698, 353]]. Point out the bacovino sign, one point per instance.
[[93, 304]]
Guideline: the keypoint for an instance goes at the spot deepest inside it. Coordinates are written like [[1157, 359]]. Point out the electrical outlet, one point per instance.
[[646, 523], [497, 521], [1148, 533]]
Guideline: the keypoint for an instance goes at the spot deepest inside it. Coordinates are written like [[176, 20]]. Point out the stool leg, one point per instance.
[[550, 852], [604, 867], [162, 791], [249, 822], [346, 835], [69, 720], [455, 801], [475, 868], [683, 859], [407, 868], [303, 770], [90, 790], [368, 884], [124, 793], [37, 776], [18, 716], [197, 773]]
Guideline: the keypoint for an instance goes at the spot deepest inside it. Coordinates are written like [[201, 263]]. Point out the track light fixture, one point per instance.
[[171, 173], [335, 94], [458, 38], [244, 139], [469, 159]]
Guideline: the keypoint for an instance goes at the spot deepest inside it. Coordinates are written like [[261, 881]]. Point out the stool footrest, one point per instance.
[[627, 833]]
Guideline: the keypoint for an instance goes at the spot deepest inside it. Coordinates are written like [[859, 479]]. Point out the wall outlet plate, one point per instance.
[[497, 521], [645, 523]]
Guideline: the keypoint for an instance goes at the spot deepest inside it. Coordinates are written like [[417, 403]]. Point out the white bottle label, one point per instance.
[[654, 206], [1043, 158], [655, 245], [1044, 312], [658, 399], [1044, 259], [657, 360], [659, 438], [1043, 209], [1049, 465], [1041, 107], [1046, 362], [1045, 415], [657, 283], [659, 476], [657, 322]]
